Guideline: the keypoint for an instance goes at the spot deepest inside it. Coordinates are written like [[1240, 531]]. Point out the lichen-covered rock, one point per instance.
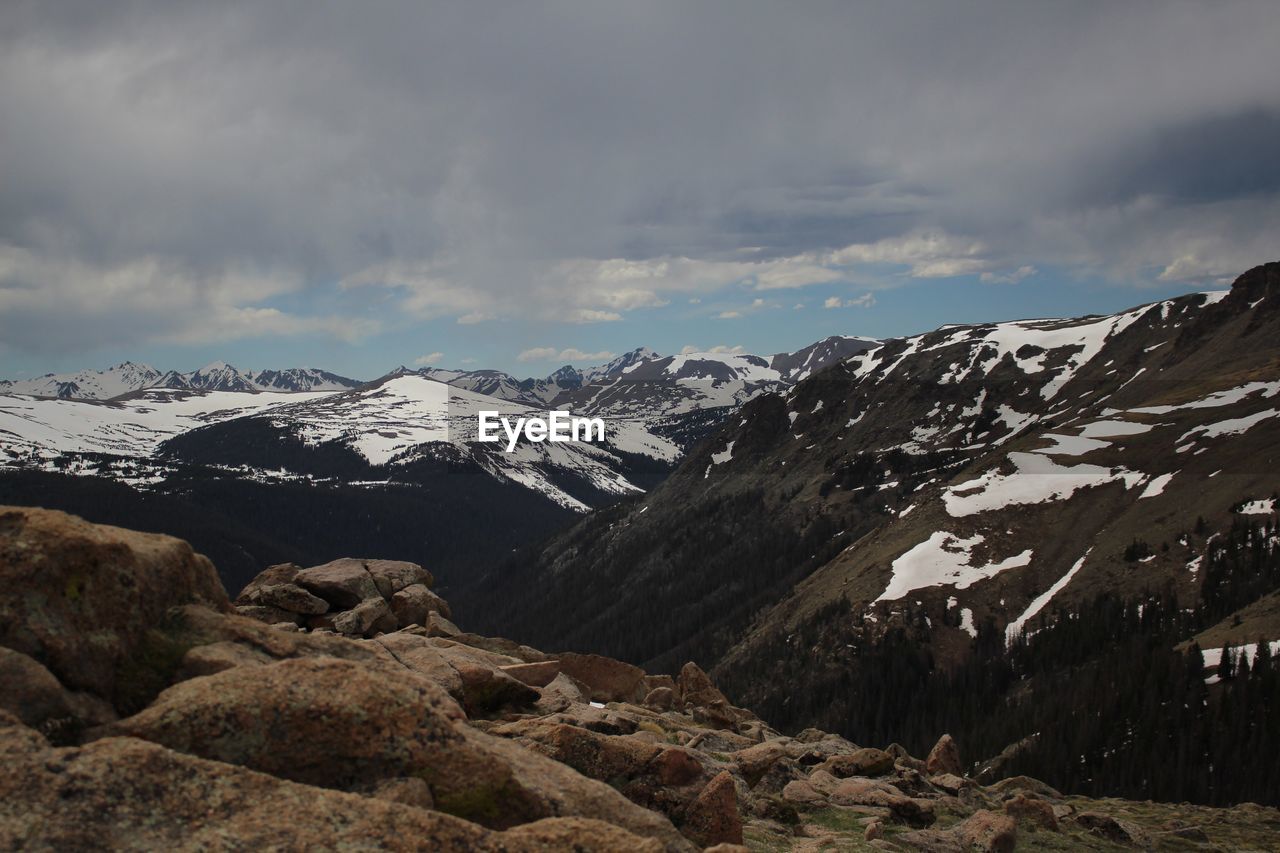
[[695, 687], [84, 599], [1031, 810], [122, 793], [343, 583], [660, 698], [862, 762], [412, 604], [391, 576], [370, 616], [538, 674], [288, 597], [713, 817], [338, 724], [608, 680], [944, 758]]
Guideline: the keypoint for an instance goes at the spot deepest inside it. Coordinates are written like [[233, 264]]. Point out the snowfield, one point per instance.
[[944, 559]]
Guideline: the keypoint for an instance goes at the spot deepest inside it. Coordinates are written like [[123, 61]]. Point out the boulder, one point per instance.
[[538, 674], [33, 695], [660, 698], [408, 790], [987, 831], [84, 600], [391, 576], [123, 793], [1020, 784], [1112, 829], [713, 817], [608, 680], [862, 762], [344, 583], [370, 616], [560, 694], [944, 758], [1032, 811], [438, 626], [280, 573], [413, 603], [802, 792], [695, 687], [754, 761], [288, 597], [270, 615], [338, 724], [216, 657]]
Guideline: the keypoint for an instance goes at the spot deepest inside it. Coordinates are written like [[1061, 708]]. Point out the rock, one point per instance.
[[987, 831], [559, 695], [1116, 831], [1032, 811], [778, 776], [580, 834], [420, 656], [727, 848], [288, 597], [944, 758], [281, 573], [604, 757], [754, 761], [676, 767], [216, 657], [391, 576], [653, 682], [810, 735], [800, 791], [538, 674], [368, 616], [407, 790], [695, 687], [863, 762], [413, 603], [608, 680], [499, 646], [84, 600], [901, 756], [128, 794], [487, 689], [32, 695], [661, 698], [713, 818], [344, 583], [874, 830], [1016, 784], [269, 615], [339, 724], [438, 626], [951, 783]]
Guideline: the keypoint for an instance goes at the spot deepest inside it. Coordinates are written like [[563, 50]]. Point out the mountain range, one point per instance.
[[242, 450], [901, 519]]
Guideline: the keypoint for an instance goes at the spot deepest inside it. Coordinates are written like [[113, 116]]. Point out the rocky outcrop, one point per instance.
[[356, 598], [83, 599], [409, 739]]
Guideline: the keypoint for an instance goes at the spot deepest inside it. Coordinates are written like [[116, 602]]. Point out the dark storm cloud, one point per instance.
[[188, 162]]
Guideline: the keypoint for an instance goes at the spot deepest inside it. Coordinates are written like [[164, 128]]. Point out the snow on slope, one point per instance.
[[47, 428], [87, 384], [944, 559]]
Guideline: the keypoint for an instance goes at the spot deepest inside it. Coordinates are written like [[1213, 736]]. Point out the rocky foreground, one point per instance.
[[338, 707]]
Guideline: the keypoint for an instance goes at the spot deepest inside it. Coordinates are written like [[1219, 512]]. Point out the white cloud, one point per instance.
[[571, 354], [728, 315], [719, 349], [866, 300], [797, 306], [1025, 271], [429, 358], [588, 315]]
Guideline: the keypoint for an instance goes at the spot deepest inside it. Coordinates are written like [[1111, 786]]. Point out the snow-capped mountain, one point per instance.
[[977, 474], [87, 384], [129, 377]]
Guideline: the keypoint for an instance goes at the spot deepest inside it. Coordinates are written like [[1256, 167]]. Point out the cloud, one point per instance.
[[588, 315], [798, 306], [720, 349], [429, 358], [563, 355], [866, 300], [416, 164], [1025, 271], [729, 315]]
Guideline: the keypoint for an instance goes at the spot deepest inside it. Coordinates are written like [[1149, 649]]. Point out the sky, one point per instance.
[[520, 185]]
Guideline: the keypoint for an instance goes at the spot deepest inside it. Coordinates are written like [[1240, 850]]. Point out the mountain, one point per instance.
[[283, 463], [128, 377], [87, 384], [901, 517]]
